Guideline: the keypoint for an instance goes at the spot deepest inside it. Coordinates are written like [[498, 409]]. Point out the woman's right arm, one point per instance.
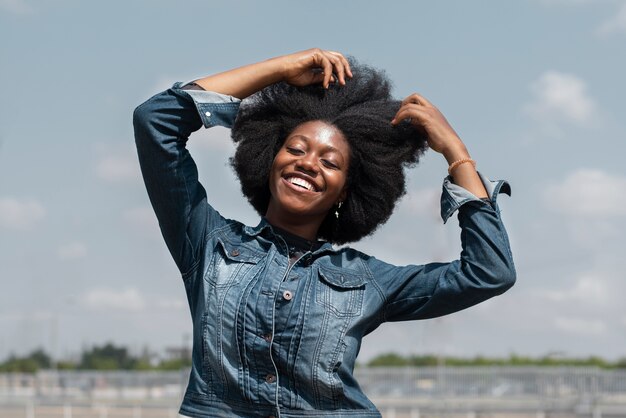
[[164, 123], [162, 126]]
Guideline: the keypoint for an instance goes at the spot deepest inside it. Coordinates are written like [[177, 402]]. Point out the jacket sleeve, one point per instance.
[[485, 267], [162, 127]]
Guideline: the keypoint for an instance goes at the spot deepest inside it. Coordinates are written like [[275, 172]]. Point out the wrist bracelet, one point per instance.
[[459, 162]]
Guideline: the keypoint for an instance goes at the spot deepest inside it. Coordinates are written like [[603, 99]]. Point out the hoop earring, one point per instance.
[[337, 210]]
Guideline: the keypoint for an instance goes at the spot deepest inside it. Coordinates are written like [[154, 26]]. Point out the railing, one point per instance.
[[537, 392]]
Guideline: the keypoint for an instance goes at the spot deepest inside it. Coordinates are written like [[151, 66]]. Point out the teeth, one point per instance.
[[301, 182]]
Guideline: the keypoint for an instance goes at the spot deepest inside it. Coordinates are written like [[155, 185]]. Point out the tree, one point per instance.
[[36, 360], [390, 359], [107, 357]]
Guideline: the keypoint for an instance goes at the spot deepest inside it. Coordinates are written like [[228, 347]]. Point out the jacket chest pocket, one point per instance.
[[340, 292], [230, 263]]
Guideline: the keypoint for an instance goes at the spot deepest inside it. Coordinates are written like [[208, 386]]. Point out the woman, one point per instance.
[[278, 312]]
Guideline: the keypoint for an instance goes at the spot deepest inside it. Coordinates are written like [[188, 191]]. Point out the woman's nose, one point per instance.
[[307, 164]]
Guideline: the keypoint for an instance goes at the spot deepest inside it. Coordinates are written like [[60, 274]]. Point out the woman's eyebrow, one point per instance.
[[307, 139]]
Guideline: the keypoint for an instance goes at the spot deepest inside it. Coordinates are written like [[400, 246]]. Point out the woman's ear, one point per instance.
[[343, 195]]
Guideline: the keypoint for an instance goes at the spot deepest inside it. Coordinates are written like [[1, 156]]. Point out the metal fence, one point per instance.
[[468, 392]]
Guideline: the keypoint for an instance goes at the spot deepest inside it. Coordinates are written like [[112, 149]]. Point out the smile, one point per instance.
[[301, 183]]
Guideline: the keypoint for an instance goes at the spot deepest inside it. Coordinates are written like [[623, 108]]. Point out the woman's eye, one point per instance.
[[330, 164], [295, 151]]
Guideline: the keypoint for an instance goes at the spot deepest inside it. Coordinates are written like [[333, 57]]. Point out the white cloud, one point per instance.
[[596, 235], [29, 315], [589, 289], [216, 139], [19, 7], [422, 202], [118, 168], [560, 98], [72, 251], [580, 326], [614, 24], [20, 213], [173, 304], [128, 299], [588, 192], [143, 219]]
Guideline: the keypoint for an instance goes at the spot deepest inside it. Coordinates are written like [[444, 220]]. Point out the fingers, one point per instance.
[[328, 71], [335, 67], [417, 99], [414, 107], [342, 66], [416, 113]]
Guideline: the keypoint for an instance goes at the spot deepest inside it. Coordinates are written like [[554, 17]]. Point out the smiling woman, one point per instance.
[[278, 312], [308, 177]]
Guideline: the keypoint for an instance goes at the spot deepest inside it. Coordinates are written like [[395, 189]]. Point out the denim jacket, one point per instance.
[[274, 340]]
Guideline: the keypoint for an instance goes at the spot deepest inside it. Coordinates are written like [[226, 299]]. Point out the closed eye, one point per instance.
[[295, 151], [330, 164]]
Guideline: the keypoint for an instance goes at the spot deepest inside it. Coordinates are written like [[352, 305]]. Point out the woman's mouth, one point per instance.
[[301, 183]]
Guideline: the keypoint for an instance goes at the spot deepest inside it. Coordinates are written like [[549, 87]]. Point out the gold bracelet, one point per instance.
[[459, 162]]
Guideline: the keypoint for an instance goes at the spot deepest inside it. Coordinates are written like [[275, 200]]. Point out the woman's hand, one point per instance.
[[423, 115], [299, 69], [315, 66]]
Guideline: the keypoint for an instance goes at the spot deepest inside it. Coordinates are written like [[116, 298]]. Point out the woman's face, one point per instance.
[[309, 173]]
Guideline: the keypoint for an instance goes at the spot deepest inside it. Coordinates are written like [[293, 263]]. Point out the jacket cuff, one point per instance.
[[454, 196], [214, 109]]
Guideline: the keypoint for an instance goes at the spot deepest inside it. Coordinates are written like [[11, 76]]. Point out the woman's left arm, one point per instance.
[[485, 267]]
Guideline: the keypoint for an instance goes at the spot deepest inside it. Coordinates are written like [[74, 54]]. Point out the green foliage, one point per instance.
[[174, 364], [36, 360], [42, 359], [112, 357], [390, 359], [66, 365], [107, 357], [396, 360]]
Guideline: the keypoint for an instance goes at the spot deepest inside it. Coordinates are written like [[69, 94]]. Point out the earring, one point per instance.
[[337, 210]]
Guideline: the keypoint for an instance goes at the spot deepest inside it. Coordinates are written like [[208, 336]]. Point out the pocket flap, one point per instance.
[[343, 279], [238, 252]]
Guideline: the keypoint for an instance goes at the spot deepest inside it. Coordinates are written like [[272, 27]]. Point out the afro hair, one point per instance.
[[362, 110]]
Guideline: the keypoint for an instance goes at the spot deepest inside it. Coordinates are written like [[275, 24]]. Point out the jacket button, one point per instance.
[[235, 252], [287, 295], [267, 337], [270, 378]]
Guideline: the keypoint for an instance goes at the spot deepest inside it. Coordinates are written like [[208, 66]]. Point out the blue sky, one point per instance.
[[534, 87]]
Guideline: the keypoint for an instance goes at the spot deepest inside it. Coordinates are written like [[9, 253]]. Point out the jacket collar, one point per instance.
[[264, 228]]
